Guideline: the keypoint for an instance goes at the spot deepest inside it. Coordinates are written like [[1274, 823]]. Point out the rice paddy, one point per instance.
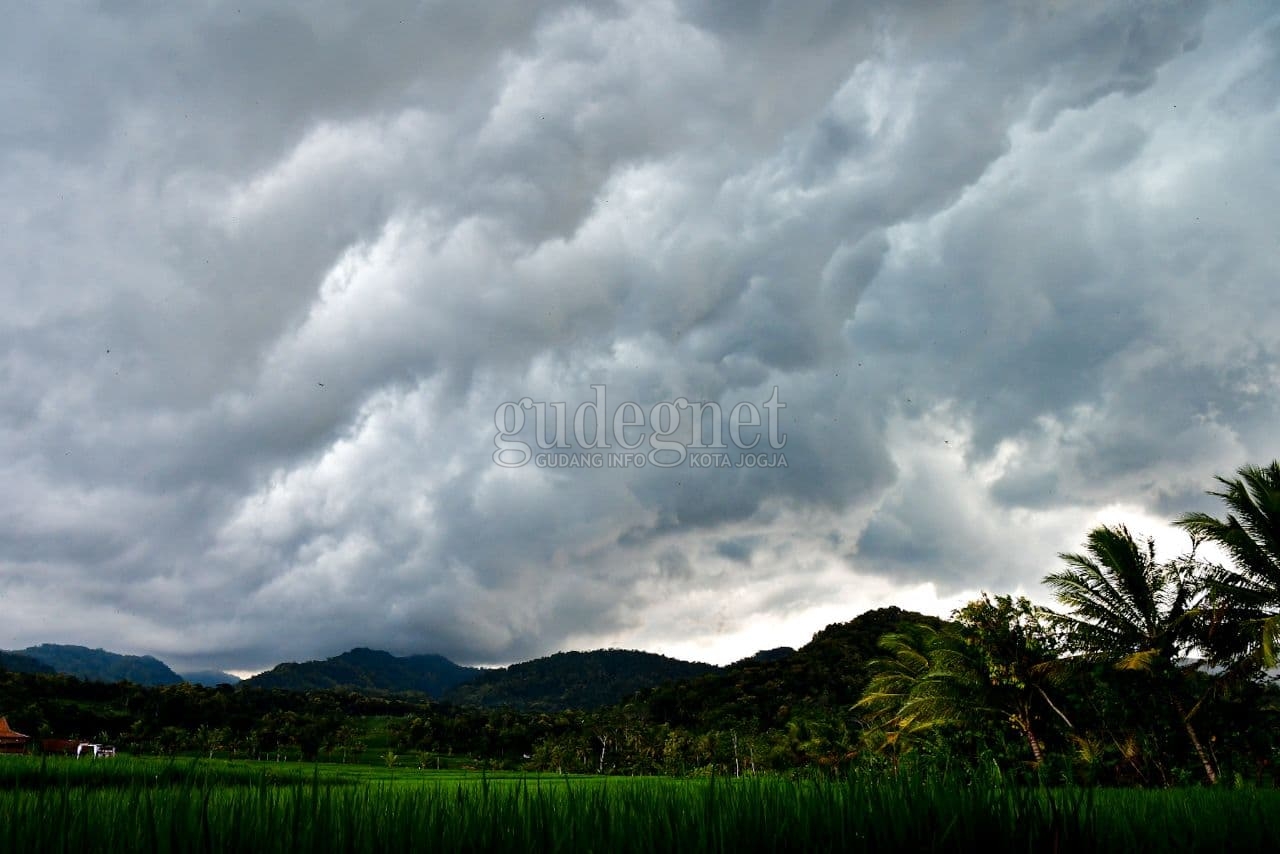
[[188, 805]]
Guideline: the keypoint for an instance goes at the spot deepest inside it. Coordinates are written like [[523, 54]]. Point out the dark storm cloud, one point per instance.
[[271, 272], [736, 549]]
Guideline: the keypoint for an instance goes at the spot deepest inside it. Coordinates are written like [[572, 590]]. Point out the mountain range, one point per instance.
[[829, 669], [581, 680], [100, 665]]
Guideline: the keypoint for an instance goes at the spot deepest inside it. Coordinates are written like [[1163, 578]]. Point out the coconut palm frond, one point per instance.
[[1249, 589]]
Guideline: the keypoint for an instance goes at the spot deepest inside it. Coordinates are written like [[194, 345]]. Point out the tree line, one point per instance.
[[1148, 667], [1149, 671]]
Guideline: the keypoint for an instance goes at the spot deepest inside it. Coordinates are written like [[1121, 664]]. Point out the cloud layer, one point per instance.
[[270, 274]]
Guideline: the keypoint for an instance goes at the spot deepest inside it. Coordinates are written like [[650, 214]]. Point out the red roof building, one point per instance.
[[12, 742]]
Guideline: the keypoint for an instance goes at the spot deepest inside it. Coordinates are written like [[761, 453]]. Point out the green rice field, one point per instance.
[[187, 805]]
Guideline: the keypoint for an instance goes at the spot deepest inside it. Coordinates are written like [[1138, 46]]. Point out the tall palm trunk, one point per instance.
[[1023, 721], [1209, 772], [1037, 749]]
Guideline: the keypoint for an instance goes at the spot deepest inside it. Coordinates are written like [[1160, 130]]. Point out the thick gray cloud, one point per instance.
[[271, 272]]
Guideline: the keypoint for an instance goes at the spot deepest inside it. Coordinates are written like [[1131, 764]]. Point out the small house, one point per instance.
[[12, 742]]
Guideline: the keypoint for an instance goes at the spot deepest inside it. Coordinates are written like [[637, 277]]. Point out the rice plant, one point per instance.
[[240, 808]]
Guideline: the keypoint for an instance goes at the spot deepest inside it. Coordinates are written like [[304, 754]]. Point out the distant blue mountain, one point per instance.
[[99, 665], [210, 678]]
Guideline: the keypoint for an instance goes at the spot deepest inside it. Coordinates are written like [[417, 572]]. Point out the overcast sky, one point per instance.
[[269, 275]]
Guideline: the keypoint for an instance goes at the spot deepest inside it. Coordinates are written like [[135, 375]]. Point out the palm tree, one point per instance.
[[1250, 591], [1017, 654], [1129, 610], [925, 683], [995, 664]]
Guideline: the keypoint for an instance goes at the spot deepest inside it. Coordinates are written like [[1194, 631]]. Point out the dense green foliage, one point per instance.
[[1248, 589], [828, 673], [1152, 672], [102, 666]]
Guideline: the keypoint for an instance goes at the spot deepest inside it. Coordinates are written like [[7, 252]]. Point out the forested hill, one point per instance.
[[99, 665], [829, 672], [16, 662], [574, 680], [368, 670]]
